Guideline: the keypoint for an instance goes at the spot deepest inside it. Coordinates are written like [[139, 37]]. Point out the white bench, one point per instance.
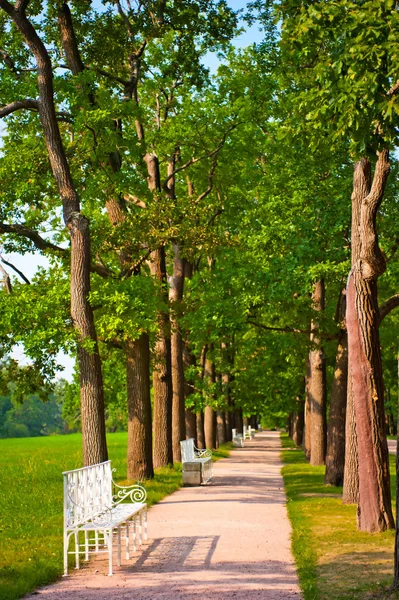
[[94, 505], [196, 463], [247, 433], [237, 439]]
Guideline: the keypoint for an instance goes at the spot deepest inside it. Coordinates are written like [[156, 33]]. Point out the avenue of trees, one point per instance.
[[212, 239]]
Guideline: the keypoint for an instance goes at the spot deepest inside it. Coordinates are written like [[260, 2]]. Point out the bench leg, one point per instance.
[[96, 539], [119, 547], [134, 534], [127, 541], [77, 550], [141, 528], [86, 545], [66, 544], [109, 542], [145, 525]]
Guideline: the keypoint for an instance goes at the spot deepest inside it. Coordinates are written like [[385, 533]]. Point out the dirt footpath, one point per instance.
[[229, 539]]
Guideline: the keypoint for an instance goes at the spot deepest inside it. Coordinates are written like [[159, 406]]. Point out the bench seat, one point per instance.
[[116, 516]]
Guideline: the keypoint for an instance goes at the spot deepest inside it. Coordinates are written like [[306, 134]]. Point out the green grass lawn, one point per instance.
[[334, 560], [31, 503]]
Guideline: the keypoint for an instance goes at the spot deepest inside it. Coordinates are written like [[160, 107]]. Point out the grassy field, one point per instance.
[[31, 500], [334, 560]]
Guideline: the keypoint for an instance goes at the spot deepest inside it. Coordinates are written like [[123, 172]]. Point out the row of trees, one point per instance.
[[209, 232]]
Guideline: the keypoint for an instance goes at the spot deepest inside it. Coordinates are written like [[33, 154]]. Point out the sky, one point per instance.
[[29, 263]]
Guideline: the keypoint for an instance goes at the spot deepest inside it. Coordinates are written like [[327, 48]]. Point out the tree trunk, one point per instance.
[[221, 427], [139, 456], [335, 458], [362, 317], [200, 430], [374, 509], [229, 425], [191, 425], [396, 557], [161, 377], [298, 423], [317, 384], [178, 403], [209, 427], [308, 414], [239, 421], [215, 431], [90, 373]]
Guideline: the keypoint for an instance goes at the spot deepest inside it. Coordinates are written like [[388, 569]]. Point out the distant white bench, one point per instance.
[[94, 505], [248, 433], [196, 463], [237, 439]]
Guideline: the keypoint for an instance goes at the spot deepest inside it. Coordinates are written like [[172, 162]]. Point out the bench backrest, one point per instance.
[[187, 450], [87, 493], [234, 433]]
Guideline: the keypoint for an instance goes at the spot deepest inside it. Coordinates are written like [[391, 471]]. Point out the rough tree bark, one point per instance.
[[178, 403], [90, 374], [317, 384], [362, 317], [298, 423], [350, 493], [209, 417], [335, 457], [308, 414], [139, 453], [200, 430], [396, 556], [161, 378], [221, 427]]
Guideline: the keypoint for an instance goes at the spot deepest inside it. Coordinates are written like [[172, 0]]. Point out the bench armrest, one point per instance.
[[200, 453], [136, 493]]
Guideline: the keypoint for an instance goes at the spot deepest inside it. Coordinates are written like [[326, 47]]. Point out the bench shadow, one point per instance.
[[181, 568]]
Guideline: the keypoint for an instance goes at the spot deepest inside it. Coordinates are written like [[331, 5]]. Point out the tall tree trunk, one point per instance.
[[317, 385], [139, 457], [298, 423], [90, 373], [308, 414], [239, 421], [178, 403], [200, 430], [396, 557], [229, 424], [335, 458], [161, 377], [209, 427], [191, 425], [221, 427], [362, 317]]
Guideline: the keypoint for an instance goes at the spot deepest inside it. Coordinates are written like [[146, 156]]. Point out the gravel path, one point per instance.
[[226, 540]]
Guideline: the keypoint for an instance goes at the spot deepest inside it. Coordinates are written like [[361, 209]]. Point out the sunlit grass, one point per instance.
[[334, 560], [31, 501]]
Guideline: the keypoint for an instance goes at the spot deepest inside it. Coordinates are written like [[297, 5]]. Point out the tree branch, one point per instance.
[[192, 161], [387, 306], [23, 277], [134, 269], [287, 329], [27, 104], [24, 231]]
